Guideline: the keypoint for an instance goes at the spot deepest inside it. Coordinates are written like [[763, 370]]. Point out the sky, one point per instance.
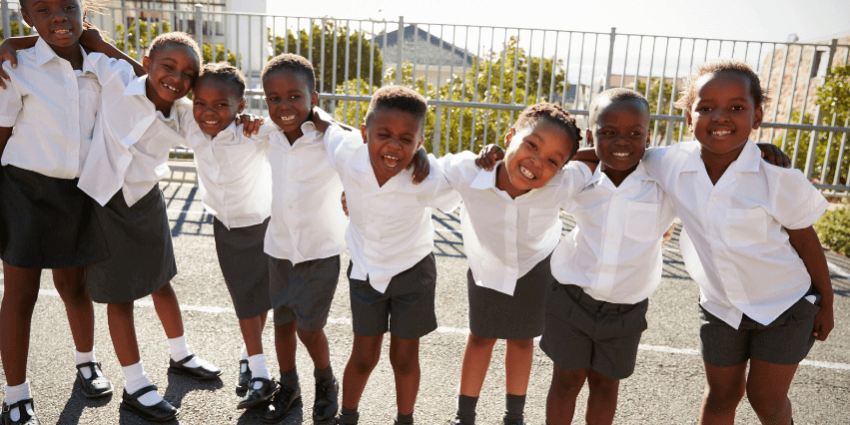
[[756, 20]]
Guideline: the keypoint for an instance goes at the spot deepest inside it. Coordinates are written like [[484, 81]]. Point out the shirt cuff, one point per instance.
[[7, 121]]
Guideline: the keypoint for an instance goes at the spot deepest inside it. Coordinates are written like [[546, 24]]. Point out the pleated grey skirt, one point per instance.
[[46, 223], [141, 255], [493, 314], [245, 267]]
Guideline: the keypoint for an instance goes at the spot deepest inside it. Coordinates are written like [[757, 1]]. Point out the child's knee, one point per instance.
[[603, 386], [479, 342], [71, 288], [363, 361], [165, 292], [521, 344], [765, 402], [404, 364], [729, 394], [21, 298], [309, 338], [568, 383]]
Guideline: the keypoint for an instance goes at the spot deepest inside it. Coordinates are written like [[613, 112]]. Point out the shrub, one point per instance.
[[834, 230]]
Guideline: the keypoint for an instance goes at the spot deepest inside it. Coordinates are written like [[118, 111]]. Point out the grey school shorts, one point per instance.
[[786, 341], [303, 293], [245, 267], [582, 332], [406, 308]]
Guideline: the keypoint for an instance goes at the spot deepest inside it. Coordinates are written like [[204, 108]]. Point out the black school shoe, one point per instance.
[[461, 421], [25, 418], [97, 385], [258, 395], [160, 412], [204, 372], [282, 402], [514, 422], [326, 404], [351, 419], [244, 377]]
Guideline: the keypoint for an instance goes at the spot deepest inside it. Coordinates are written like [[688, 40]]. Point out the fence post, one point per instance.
[[832, 47], [199, 26], [400, 66], [7, 27], [436, 140], [813, 144], [611, 58]]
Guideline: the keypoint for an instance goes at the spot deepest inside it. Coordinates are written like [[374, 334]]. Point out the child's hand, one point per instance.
[[668, 234], [774, 155], [824, 321], [320, 123], [7, 53], [92, 39], [250, 124], [489, 156], [344, 204], [421, 166]]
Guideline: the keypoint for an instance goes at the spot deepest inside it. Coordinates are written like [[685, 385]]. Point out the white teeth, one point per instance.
[[620, 154], [63, 32], [526, 173], [721, 133], [390, 161], [211, 122], [289, 118], [169, 87]]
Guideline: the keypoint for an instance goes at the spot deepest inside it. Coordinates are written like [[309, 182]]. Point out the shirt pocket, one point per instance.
[[745, 227], [642, 221]]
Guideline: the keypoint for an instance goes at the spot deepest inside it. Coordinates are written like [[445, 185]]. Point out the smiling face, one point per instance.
[[172, 70], [723, 113], [58, 22], [215, 105], [393, 136], [620, 134], [290, 101], [534, 155]]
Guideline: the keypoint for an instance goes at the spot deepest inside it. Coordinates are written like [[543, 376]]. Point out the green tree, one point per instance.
[[654, 88], [15, 30], [820, 150], [834, 94], [149, 31], [327, 70]]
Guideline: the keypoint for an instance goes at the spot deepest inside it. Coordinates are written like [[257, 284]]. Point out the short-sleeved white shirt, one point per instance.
[[53, 108], [390, 228], [131, 142], [307, 221], [235, 176], [505, 238], [614, 252], [741, 256]]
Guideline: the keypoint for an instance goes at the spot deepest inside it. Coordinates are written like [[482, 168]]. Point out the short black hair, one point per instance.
[[299, 65], [401, 98], [733, 66], [554, 114], [225, 73], [176, 37], [87, 5], [614, 95]]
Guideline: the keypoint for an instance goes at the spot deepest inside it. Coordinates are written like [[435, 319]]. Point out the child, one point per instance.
[[51, 100], [390, 237], [754, 253], [139, 123], [510, 226], [607, 266], [235, 181]]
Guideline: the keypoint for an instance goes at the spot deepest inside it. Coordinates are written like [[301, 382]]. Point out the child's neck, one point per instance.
[[717, 164], [159, 103], [503, 182], [617, 176], [72, 54]]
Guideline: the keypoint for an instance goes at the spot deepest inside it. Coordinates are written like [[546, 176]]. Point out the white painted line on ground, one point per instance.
[[185, 212], [458, 331], [837, 270]]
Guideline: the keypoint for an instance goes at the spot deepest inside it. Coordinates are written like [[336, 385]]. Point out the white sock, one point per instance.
[[138, 379], [81, 358], [16, 394], [179, 350], [244, 353], [257, 363]]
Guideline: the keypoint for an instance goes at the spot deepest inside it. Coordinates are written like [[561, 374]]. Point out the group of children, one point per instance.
[[79, 194]]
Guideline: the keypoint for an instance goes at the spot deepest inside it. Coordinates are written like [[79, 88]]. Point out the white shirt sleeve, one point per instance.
[[11, 102], [443, 197], [458, 168], [795, 203], [108, 68], [341, 145], [653, 162], [571, 180]]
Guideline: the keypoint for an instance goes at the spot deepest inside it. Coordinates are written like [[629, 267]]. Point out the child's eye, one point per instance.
[[533, 146], [737, 108], [552, 161], [704, 109], [295, 96], [272, 99]]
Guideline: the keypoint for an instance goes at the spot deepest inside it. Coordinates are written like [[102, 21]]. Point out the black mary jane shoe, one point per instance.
[[25, 418], [244, 377], [283, 401], [204, 372], [326, 404], [98, 384], [160, 412], [260, 395]]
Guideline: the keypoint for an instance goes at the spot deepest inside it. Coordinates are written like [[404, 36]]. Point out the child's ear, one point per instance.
[[26, 16], [689, 120], [314, 98], [146, 64], [241, 106], [648, 138], [759, 115], [363, 132], [419, 145], [588, 135], [508, 136]]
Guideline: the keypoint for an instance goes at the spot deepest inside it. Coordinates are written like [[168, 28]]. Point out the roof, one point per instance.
[[423, 48]]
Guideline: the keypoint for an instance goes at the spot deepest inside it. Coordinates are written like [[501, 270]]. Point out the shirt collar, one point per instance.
[[748, 161], [43, 54], [226, 134], [487, 180], [136, 87]]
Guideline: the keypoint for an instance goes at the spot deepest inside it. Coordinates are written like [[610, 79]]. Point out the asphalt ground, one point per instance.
[[666, 387]]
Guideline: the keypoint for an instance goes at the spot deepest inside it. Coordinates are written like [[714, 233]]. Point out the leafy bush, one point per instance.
[[834, 230]]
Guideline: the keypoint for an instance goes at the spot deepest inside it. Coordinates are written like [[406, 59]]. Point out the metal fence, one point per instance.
[[477, 78]]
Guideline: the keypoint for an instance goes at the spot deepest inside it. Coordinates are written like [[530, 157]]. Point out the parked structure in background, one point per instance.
[[434, 58]]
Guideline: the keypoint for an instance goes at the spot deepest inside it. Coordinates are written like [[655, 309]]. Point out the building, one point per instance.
[[433, 58]]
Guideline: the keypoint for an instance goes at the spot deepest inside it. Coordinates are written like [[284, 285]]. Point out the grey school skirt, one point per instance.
[[245, 267], [141, 259], [493, 314], [46, 223]]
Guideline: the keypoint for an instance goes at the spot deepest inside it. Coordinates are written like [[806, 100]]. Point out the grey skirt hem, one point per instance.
[[245, 267]]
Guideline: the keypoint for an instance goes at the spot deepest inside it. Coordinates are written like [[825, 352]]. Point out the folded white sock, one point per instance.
[[15, 394], [257, 363], [81, 358], [138, 379], [180, 349]]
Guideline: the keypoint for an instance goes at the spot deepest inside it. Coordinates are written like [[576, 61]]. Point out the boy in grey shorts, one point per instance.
[[607, 267]]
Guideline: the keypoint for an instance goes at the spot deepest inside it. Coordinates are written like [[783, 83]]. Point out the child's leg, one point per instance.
[[404, 356], [767, 391], [285, 345], [317, 345], [252, 333], [123, 332], [476, 361], [71, 285], [561, 401], [168, 310], [518, 356], [602, 401], [20, 293], [365, 354], [724, 388]]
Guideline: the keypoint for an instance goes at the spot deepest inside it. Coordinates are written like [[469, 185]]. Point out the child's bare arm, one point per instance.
[[774, 155], [323, 124], [8, 50], [421, 166], [808, 247], [489, 156], [93, 41], [5, 134], [250, 124]]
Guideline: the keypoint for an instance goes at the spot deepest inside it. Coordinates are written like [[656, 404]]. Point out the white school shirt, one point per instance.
[[390, 228], [741, 256], [505, 238], [235, 177], [307, 221], [53, 108], [614, 252], [131, 142]]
